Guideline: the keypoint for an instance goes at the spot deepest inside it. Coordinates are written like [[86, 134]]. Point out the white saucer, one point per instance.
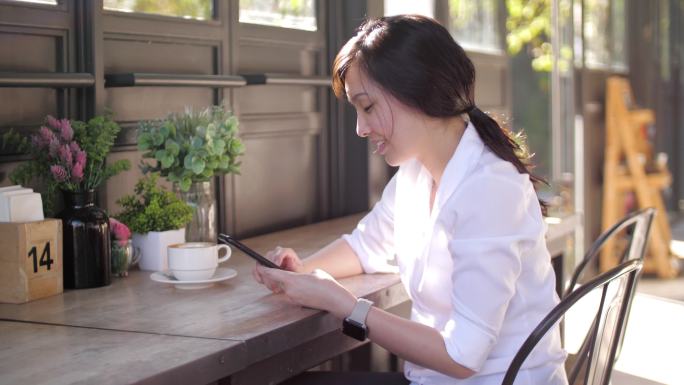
[[221, 274]]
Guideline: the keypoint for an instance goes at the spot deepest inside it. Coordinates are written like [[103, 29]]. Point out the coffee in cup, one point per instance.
[[195, 261]]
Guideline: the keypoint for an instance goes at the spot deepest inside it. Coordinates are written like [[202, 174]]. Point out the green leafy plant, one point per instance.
[[153, 208], [192, 146], [529, 25], [67, 155]]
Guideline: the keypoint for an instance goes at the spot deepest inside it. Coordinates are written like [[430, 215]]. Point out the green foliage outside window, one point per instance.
[[529, 26], [298, 14], [193, 9], [282, 7], [475, 23]]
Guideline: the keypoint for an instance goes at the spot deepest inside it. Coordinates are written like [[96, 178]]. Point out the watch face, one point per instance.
[[354, 329]]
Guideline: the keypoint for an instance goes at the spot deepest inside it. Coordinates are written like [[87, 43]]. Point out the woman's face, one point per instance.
[[391, 126]]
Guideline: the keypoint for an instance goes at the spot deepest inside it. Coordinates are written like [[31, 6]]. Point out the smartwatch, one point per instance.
[[355, 325]]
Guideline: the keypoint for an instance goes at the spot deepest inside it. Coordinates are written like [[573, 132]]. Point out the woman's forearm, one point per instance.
[[413, 342], [337, 259], [409, 340]]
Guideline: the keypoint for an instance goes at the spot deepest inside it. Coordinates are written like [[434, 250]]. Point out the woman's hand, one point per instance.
[[286, 258], [283, 257], [317, 290]]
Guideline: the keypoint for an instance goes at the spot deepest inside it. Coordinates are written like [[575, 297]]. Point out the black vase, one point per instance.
[[87, 243]]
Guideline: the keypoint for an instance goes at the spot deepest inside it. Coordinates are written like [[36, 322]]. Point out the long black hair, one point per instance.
[[416, 60]]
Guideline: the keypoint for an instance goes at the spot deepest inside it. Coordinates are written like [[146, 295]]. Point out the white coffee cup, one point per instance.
[[195, 261]]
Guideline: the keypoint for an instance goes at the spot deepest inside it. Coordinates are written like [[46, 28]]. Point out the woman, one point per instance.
[[461, 216]]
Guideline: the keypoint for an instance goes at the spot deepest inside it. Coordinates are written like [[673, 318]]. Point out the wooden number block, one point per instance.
[[30, 260]]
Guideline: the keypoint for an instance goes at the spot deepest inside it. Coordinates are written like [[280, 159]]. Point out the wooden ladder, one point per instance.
[[627, 154]]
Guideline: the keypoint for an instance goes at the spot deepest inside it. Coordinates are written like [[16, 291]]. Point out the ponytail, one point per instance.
[[506, 145]]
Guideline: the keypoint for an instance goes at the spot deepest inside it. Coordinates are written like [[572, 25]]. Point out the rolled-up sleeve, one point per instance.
[[373, 238], [486, 252]]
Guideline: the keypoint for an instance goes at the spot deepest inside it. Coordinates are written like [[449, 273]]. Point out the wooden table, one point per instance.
[[140, 331], [560, 230]]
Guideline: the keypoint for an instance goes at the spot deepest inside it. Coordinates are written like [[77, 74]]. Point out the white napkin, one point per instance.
[[19, 204]]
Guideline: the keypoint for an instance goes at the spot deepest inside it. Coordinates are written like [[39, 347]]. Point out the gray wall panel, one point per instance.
[[147, 55], [277, 185], [281, 183], [276, 99], [26, 49], [254, 126], [276, 57], [28, 52], [5, 169], [26, 106], [143, 103], [491, 82], [490, 87]]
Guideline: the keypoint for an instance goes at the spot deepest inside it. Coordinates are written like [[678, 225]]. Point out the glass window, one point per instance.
[[48, 2], [619, 30], [187, 9], [403, 7], [604, 33], [475, 24], [596, 18], [296, 14], [578, 44]]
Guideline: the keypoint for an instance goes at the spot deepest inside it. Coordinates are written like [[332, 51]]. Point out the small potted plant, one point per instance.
[[189, 149], [124, 255], [157, 219]]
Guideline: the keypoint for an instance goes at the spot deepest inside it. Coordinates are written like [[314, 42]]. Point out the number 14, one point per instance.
[[45, 259]]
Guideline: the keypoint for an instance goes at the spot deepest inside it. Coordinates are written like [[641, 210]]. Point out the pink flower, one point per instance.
[[52, 121], [53, 147], [36, 142], [65, 130], [80, 157], [65, 155], [119, 231], [63, 126], [44, 137], [77, 173], [58, 172], [79, 166]]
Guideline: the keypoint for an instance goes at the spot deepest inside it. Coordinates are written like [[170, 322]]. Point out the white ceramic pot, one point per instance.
[[153, 248]]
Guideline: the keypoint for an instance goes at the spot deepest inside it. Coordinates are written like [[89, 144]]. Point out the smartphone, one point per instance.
[[227, 239]]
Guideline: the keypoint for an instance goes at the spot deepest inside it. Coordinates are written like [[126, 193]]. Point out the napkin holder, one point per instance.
[[30, 260]]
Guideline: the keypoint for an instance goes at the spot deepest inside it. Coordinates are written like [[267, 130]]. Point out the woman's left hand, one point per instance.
[[317, 290]]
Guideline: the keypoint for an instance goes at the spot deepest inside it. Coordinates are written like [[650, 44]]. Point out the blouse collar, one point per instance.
[[464, 159]]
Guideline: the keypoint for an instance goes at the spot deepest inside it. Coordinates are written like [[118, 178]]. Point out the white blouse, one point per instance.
[[476, 268]]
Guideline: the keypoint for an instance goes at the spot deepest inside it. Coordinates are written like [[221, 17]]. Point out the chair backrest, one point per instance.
[[640, 221], [616, 287], [639, 224]]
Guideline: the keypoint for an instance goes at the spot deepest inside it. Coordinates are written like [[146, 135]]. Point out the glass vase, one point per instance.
[[124, 255], [87, 244], [202, 198]]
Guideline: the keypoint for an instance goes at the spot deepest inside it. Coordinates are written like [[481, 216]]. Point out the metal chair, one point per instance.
[[636, 249], [639, 224], [616, 288]]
